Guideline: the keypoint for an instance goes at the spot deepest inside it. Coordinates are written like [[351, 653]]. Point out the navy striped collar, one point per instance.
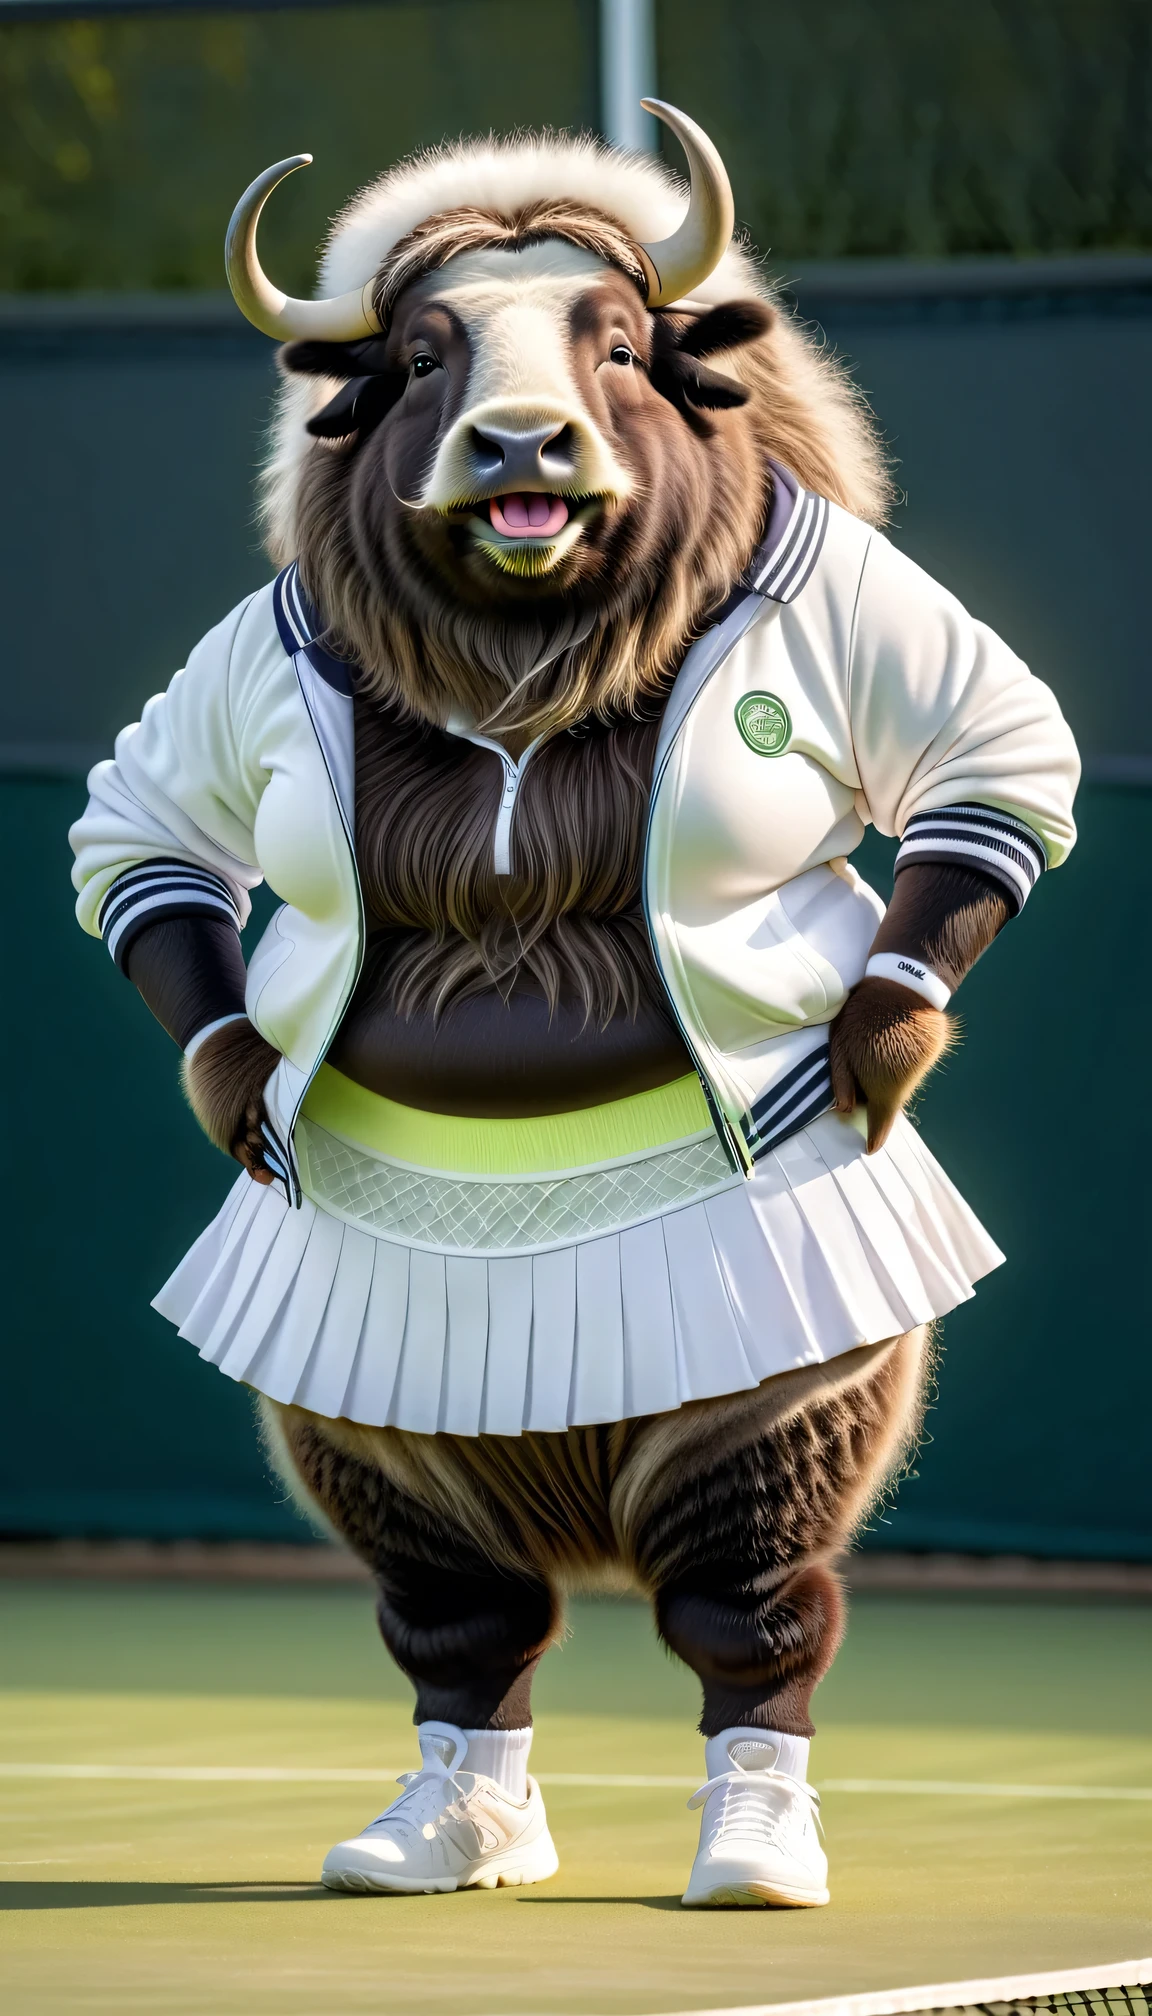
[[797, 523], [783, 562], [299, 623]]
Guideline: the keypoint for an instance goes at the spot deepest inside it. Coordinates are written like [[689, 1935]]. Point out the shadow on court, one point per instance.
[[637, 1903], [97, 1896]]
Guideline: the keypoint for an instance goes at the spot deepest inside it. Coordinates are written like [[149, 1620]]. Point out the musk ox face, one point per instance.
[[529, 430], [513, 428], [526, 488]]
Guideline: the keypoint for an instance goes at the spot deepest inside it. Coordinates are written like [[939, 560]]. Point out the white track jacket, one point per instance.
[[840, 687]]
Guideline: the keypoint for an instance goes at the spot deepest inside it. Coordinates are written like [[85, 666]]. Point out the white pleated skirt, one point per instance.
[[824, 1248]]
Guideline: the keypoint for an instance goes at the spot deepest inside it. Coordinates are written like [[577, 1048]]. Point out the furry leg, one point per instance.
[[757, 1649], [468, 1635], [738, 1526], [469, 1640]]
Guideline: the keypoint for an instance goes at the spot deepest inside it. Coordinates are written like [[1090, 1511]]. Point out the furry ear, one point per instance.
[[358, 407], [372, 385], [728, 327], [676, 370], [685, 383], [334, 360]]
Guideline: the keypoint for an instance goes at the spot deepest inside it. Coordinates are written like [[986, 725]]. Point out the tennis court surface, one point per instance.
[[176, 1759]]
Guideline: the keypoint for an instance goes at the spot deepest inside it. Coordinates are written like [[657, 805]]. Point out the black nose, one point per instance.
[[530, 456]]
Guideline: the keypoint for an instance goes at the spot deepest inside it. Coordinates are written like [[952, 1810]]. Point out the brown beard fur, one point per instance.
[[527, 669], [568, 914]]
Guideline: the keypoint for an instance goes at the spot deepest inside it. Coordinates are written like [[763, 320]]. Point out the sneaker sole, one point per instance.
[[753, 1896], [533, 1865]]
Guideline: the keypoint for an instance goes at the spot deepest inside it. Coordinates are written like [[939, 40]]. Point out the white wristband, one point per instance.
[[210, 1029], [910, 973]]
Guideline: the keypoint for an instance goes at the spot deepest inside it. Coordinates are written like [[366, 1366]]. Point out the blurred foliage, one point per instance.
[[125, 142], [921, 128], [892, 127]]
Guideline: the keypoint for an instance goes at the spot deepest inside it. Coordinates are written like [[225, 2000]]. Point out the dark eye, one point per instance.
[[620, 353], [422, 365]]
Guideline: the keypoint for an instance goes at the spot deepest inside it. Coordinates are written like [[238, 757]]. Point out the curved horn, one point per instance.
[[680, 262], [341, 319]]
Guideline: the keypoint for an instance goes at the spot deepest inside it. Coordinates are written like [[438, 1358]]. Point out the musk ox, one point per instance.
[[580, 1233]]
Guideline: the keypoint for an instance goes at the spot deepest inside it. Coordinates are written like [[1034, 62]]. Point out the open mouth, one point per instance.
[[531, 514], [527, 532]]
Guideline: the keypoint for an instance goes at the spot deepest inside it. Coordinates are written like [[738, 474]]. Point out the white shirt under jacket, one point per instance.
[[869, 696]]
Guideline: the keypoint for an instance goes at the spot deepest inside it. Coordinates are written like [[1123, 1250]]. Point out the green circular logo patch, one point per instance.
[[765, 724]]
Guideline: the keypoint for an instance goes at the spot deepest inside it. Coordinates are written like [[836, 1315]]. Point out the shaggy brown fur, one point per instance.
[[515, 665], [946, 916], [726, 1513], [598, 650], [469, 229], [568, 914]]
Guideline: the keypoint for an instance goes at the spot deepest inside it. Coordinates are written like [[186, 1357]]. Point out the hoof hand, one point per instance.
[[884, 1042]]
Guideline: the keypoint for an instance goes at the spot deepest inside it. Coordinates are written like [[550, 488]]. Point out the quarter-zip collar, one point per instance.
[[457, 724]]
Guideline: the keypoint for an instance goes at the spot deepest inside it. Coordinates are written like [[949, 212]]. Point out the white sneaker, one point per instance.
[[758, 1838], [449, 1830]]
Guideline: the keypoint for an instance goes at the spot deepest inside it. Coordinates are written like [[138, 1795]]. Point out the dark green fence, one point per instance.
[[1016, 399]]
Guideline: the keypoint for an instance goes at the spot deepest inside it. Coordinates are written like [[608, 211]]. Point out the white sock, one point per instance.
[[756, 1750], [501, 1754]]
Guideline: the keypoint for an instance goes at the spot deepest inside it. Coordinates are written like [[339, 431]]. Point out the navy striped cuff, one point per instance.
[[977, 836], [156, 892], [801, 1095]]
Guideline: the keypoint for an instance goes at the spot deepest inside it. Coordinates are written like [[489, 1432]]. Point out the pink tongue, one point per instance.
[[533, 516]]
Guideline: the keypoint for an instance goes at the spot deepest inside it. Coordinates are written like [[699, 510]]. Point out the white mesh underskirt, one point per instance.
[[480, 1214]]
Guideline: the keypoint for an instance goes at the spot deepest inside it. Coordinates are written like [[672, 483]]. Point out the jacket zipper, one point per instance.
[[290, 1147], [733, 1145]]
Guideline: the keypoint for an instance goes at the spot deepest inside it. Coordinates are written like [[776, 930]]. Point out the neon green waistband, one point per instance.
[[506, 1147]]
